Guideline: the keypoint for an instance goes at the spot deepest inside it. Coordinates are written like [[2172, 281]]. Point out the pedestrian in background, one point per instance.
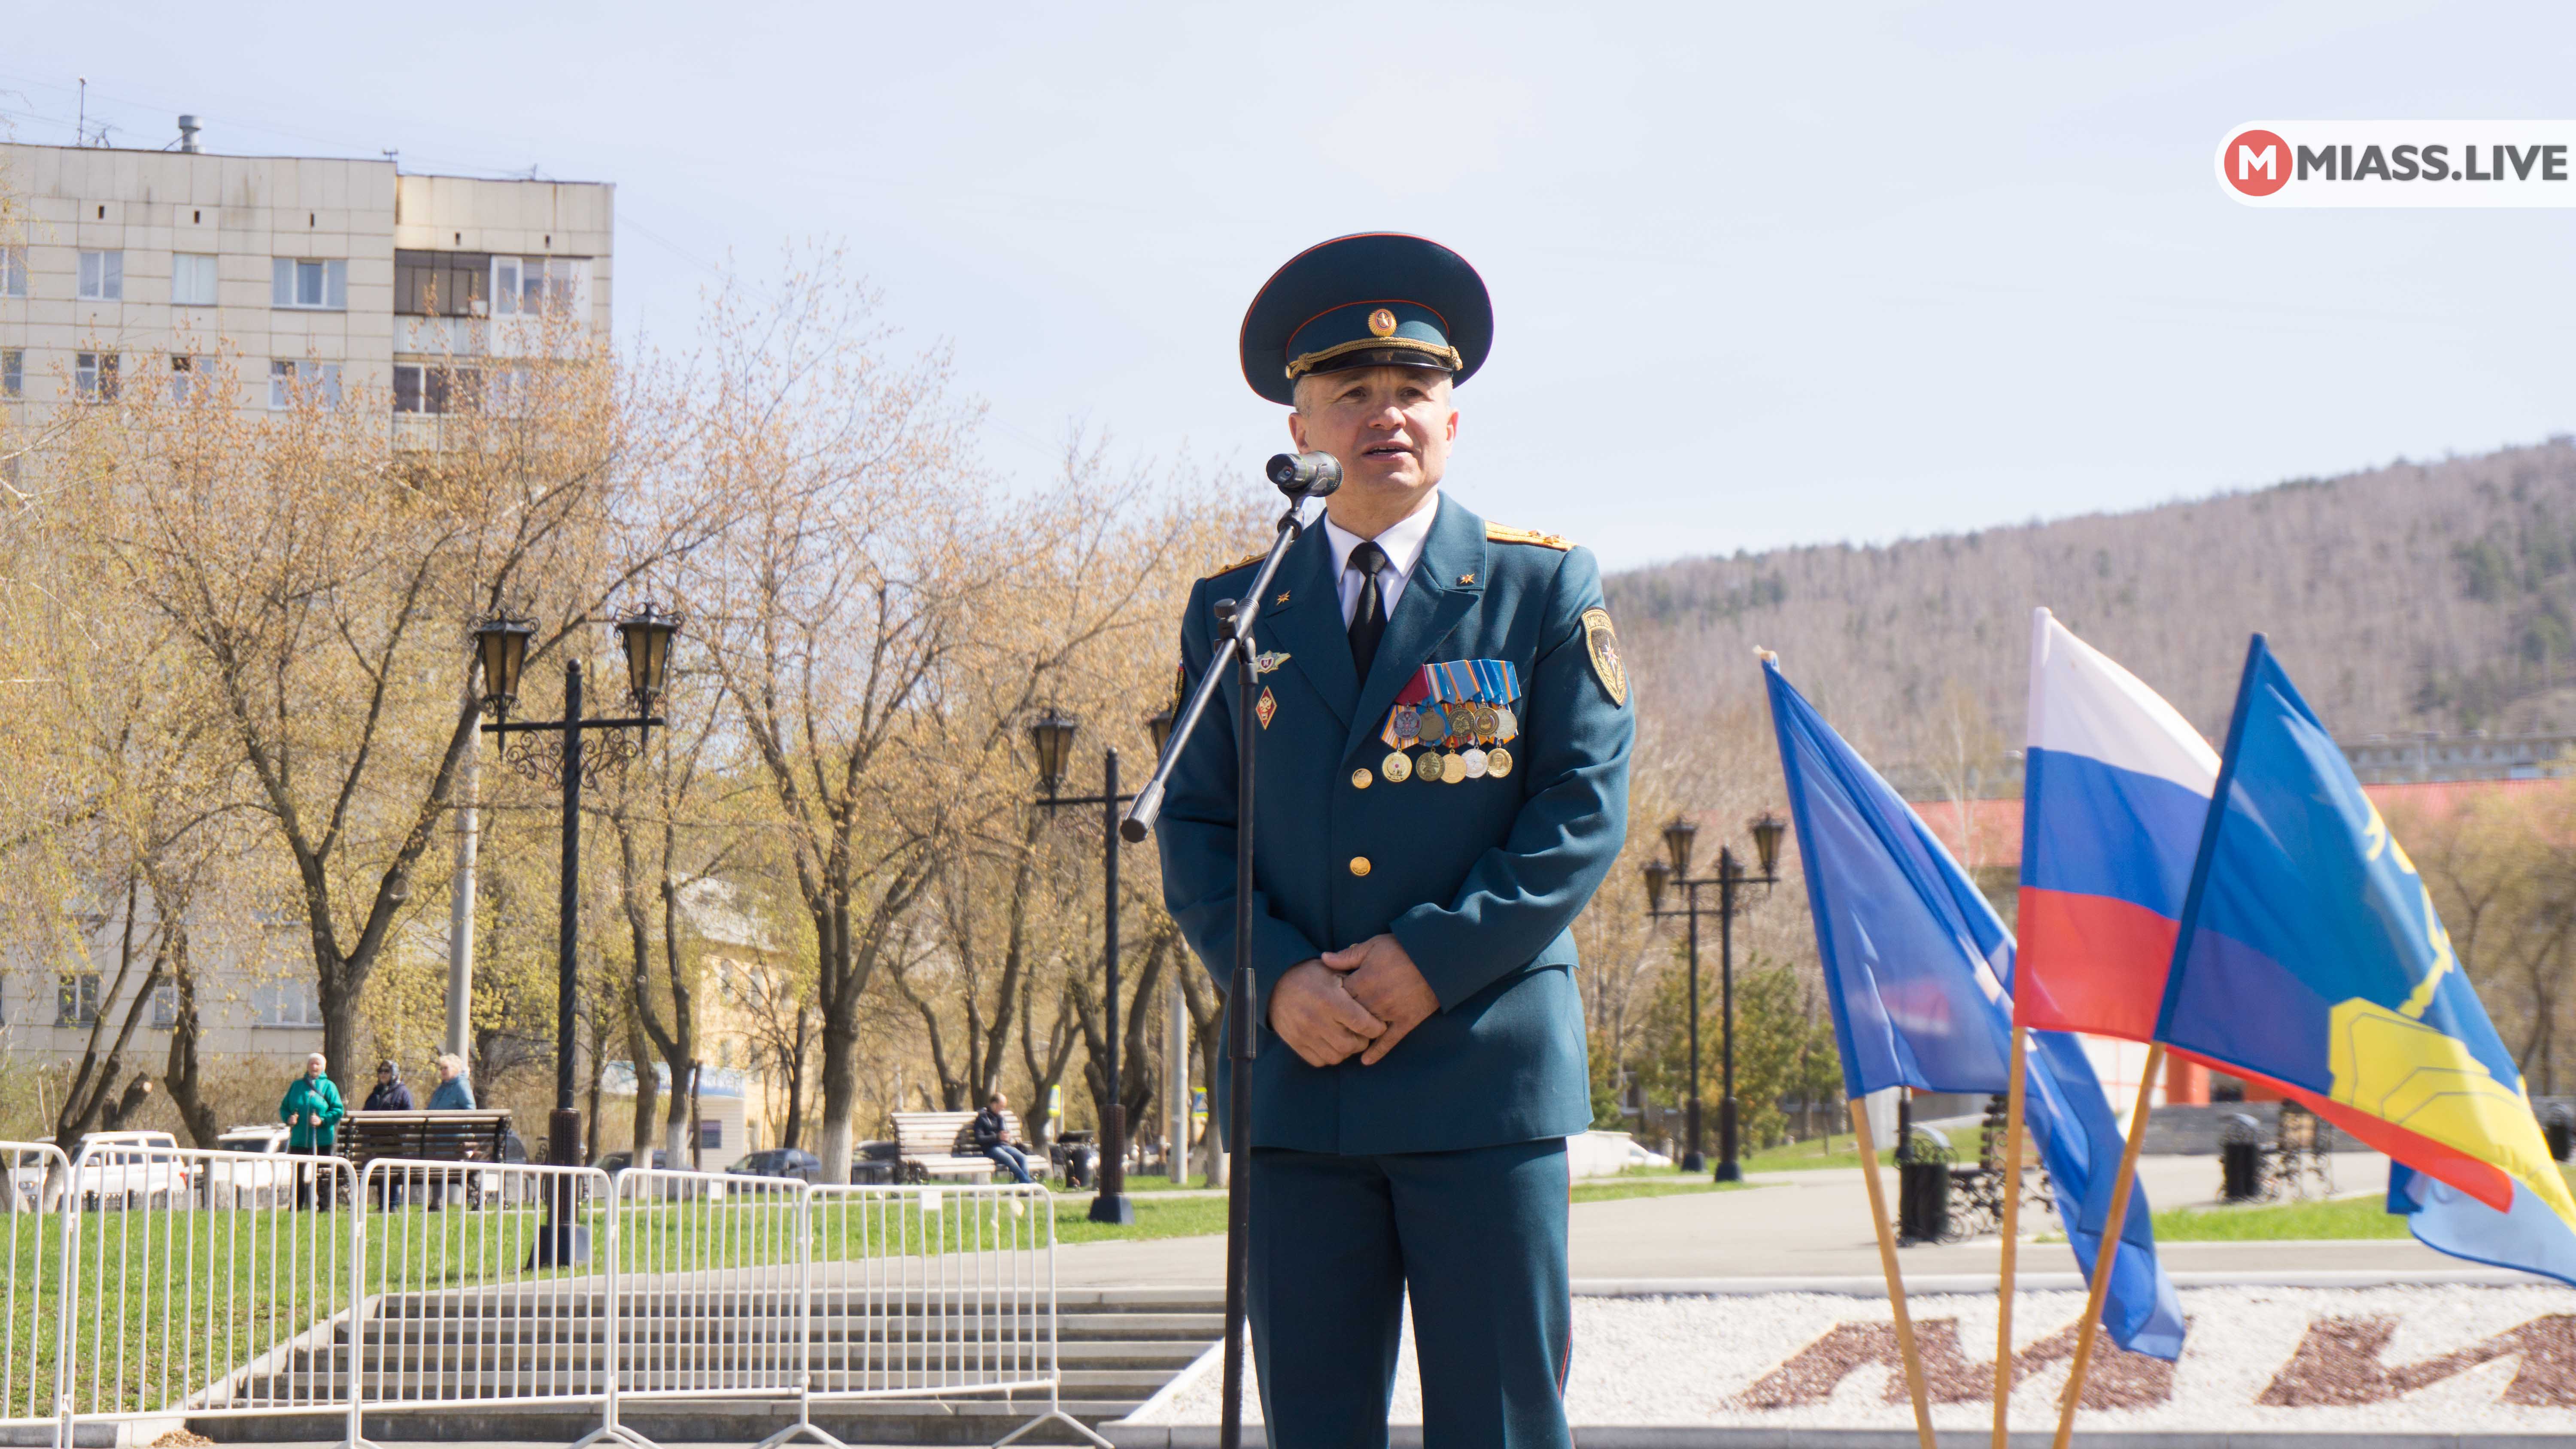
[[993, 1139], [452, 1094], [312, 1110], [390, 1095]]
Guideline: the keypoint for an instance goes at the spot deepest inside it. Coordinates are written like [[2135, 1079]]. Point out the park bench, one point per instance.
[[424, 1136], [942, 1144]]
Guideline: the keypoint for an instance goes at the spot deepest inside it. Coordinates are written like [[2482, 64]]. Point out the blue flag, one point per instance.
[[2311, 957], [1919, 970]]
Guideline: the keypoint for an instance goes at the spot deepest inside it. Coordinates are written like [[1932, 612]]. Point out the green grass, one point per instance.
[[1656, 1183], [1805, 1156], [1178, 1217], [2344, 1217]]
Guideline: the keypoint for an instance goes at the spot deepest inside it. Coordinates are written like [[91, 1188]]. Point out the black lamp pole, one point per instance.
[[501, 645], [1052, 733], [1678, 838]]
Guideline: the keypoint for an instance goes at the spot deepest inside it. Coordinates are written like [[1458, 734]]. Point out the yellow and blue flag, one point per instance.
[[1919, 968], [2310, 957]]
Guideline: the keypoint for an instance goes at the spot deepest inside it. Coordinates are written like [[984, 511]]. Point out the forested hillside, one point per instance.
[[2415, 596]]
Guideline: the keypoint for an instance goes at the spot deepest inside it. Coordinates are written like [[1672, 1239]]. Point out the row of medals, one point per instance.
[[1471, 733]]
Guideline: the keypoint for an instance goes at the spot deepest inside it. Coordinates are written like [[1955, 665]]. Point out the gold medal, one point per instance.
[[1498, 762], [1430, 724], [1488, 724], [1453, 768], [1397, 767], [1428, 767], [1474, 760]]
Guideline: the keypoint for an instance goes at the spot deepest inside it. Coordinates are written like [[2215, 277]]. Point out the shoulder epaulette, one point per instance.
[[1250, 558], [1496, 533]]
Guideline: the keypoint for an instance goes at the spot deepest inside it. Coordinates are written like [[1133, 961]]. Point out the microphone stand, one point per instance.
[[1242, 1027]]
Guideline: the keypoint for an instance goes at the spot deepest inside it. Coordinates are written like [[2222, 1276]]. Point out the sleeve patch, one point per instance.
[[1602, 643], [1497, 533]]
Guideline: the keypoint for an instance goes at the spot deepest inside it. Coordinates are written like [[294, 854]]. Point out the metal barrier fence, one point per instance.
[[30, 1343], [710, 1285], [148, 1281], [211, 1280], [483, 1284]]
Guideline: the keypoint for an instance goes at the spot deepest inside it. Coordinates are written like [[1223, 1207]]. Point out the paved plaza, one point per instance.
[[1815, 1225]]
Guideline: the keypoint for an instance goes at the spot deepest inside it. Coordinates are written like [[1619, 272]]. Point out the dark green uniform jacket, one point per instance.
[[1480, 879]]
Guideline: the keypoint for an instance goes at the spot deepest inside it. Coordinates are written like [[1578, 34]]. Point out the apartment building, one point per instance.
[[348, 279], [345, 278]]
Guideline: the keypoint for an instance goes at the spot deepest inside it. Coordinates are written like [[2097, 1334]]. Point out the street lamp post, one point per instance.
[[1679, 836], [501, 645], [1051, 734]]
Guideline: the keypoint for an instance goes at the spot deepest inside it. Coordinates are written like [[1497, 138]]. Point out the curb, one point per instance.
[[1647, 1436], [1874, 1287]]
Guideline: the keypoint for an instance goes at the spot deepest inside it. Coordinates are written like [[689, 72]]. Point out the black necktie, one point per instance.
[[1368, 615]]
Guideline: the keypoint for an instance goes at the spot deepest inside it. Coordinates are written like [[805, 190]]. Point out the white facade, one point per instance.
[[128, 266]]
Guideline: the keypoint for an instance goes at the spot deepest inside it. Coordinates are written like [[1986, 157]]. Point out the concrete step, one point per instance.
[[874, 1422]]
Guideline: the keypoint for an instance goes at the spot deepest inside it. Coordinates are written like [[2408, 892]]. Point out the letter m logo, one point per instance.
[[2256, 162]]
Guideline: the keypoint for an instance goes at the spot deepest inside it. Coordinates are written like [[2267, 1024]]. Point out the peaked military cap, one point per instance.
[[1375, 299]]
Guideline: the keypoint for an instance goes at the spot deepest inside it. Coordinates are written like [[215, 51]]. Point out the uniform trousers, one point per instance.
[[1476, 1237]]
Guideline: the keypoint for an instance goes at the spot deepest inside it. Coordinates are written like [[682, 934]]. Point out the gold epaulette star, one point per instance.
[[1496, 533]]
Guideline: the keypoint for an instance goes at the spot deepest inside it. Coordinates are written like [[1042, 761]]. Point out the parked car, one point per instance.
[[231, 1182], [130, 1169], [875, 1163], [617, 1162], [790, 1162]]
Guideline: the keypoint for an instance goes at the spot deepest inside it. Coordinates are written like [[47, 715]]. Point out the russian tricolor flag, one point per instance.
[[2116, 787]]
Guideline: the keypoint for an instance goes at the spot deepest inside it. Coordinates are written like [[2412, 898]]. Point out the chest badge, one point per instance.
[[1268, 661], [1602, 642], [1268, 707]]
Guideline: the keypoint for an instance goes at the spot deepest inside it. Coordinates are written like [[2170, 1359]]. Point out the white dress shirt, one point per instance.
[[1403, 544]]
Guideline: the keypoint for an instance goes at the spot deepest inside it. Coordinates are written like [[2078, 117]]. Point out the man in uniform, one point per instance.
[[1442, 769]]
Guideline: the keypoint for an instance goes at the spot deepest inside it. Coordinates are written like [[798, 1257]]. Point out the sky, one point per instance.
[[1762, 275]]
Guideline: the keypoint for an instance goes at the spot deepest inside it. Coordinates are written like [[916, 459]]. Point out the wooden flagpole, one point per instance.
[[2110, 1253], [2011, 1229], [1895, 1280]]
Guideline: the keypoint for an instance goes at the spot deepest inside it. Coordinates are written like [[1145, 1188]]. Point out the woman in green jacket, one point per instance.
[[311, 1111]]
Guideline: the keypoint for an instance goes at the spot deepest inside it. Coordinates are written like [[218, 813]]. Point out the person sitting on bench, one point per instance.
[[993, 1139]]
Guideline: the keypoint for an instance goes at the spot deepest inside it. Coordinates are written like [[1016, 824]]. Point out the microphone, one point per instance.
[[1305, 475]]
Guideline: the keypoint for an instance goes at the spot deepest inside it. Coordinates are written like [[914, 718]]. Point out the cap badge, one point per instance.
[[1382, 323]]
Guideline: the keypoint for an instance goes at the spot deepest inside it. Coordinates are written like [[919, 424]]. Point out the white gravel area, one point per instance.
[[1692, 1361]]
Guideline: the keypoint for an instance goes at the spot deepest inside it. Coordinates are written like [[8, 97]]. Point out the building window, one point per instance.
[[185, 370], [76, 998], [428, 387], [311, 286], [13, 373], [165, 1005], [528, 286], [102, 276], [711, 1136], [287, 381], [94, 376], [285, 1003], [442, 284], [13, 271], [192, 280]]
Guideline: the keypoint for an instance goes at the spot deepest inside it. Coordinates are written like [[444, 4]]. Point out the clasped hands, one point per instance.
[[1360, 1000]]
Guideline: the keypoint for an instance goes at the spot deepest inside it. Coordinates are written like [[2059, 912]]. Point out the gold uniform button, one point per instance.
[[1359, 865], [1360, 779]]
